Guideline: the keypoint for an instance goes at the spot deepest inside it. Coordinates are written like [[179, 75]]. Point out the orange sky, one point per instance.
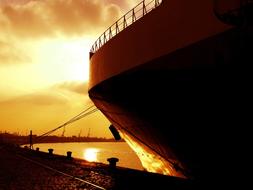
[[44, 48]]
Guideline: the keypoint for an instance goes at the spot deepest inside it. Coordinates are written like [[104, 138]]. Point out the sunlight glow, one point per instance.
[[151, 161], [64, 60], [90, 154], [50, 62]]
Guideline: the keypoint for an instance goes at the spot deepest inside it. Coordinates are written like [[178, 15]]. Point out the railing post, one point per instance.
[[99, 42], [96, 46], [156, 3], [104, 37], [110, 33], [125, 23], [133, 16], [144, 8], [117, 27], [143, 5]]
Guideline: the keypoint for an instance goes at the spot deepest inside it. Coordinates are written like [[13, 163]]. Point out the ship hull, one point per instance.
[[181, 106], [177, 97]]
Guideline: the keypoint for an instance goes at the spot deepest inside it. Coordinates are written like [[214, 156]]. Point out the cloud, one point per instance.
[[49, 108], [5, 2], [126, 5], [10, 54], [32, 111], [74, 86], [52, 17], [59, 94], [39, 99]]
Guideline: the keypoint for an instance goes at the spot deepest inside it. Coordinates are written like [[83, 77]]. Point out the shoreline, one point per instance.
[[29, 175], [97, 152]]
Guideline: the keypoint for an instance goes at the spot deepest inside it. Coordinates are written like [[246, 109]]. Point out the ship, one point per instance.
[[172, 78]]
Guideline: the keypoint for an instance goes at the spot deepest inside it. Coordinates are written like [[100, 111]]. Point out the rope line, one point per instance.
[[88, 111]]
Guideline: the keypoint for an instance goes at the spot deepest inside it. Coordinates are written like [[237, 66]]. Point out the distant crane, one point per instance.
[[63, 132], [79, 135], [88, 135], [31, 139]]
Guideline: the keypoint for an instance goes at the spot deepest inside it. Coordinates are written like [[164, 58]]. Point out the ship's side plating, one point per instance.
[[168, 83]]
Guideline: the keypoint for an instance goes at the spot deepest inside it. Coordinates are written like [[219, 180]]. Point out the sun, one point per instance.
[[61, 60], [76, 60], [90, 154]]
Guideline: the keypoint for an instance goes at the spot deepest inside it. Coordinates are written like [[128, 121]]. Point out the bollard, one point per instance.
[[37, 149], [50, 151], [69, 155], [112, 162]]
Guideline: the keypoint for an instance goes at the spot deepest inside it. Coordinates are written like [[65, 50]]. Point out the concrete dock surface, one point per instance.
[[28, 169]]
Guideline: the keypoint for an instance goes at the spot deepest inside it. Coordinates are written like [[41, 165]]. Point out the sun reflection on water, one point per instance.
[[90, 154], [151, 161]]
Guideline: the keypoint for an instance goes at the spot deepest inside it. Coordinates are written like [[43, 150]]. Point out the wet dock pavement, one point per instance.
[[27, 169]]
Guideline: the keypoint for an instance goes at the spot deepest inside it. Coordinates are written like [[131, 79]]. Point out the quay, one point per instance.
[[30, 169]]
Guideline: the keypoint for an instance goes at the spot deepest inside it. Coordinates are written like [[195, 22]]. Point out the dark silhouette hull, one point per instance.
[[181, 106]]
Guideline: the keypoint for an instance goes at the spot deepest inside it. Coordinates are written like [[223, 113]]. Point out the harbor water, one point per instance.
[[96, 152]]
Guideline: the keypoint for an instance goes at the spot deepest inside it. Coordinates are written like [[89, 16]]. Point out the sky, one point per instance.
[[44, 64]]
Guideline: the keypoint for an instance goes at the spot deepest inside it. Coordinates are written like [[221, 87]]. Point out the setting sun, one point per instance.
[[69, 57], [44, 62], [90, 154]]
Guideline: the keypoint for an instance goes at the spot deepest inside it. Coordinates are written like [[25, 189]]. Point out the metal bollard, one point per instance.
[[112, 162], [50, 151], [69, 155]]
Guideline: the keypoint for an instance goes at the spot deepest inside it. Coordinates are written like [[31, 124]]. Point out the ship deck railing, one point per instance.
[[122, 23]]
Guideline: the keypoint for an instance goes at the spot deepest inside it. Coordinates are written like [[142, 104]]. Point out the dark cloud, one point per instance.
[[9, 54], [51, 17]]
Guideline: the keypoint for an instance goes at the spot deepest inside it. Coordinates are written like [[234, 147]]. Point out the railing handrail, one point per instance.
[[126, 20]]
